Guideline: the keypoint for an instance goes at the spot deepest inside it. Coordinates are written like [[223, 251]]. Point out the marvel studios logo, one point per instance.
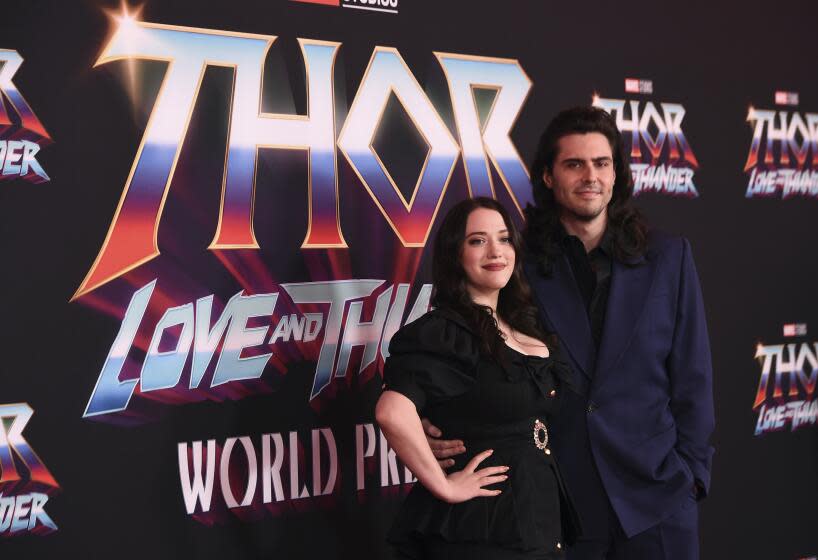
[[786, 98], [385, 6], [795, 329], [633, 85]]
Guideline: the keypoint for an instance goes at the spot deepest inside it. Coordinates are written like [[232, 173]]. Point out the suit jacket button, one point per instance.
[[591, 407]]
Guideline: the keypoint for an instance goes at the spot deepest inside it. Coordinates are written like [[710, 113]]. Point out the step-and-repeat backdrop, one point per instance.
[[216, 215]]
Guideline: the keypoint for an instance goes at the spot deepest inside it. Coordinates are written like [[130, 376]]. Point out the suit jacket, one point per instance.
[[638, 427]]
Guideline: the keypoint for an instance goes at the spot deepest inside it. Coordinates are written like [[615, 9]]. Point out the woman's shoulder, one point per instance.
[[441, 332], [438, 319]]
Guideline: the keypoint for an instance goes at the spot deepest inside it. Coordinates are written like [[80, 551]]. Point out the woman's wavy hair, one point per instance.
[[626, 223], [449, 279]]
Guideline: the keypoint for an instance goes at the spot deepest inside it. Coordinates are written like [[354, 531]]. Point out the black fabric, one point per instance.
[[674, 538], [435, 548], [435, 361], [592, 272], [432, 359]]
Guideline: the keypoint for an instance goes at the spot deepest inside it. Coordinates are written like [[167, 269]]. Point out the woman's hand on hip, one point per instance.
[[471, 483]]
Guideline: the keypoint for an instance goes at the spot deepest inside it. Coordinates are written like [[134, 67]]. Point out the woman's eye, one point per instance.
[[476, 241], [505, 239]]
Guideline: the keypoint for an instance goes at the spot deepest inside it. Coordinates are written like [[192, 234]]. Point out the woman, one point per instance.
[[479, 368]]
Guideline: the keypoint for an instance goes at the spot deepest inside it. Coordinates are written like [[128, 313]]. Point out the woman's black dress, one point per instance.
[[436, 362]]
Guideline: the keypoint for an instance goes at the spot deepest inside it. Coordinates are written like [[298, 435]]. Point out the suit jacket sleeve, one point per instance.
[[691, 376]]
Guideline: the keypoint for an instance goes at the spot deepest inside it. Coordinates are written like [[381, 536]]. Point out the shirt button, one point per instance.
[[591, 407]]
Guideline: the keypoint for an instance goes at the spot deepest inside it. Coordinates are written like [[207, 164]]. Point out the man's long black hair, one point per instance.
[[627, 226]]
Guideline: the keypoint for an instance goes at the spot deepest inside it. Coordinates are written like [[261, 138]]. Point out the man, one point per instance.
[[632, 437]]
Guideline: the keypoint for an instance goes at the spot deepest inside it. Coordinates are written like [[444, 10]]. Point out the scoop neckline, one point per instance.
[[529, 355]]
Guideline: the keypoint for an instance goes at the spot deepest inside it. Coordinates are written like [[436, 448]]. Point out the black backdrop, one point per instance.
[[119, 491]]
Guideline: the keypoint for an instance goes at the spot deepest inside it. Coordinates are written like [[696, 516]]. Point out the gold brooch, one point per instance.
[[541, 441]]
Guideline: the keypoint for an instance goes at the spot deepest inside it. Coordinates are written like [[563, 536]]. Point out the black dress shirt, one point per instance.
[[592, 273]]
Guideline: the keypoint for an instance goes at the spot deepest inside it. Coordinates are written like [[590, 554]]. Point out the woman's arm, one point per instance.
[[401, 425]]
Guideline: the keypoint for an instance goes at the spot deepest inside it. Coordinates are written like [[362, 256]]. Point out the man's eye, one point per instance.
[[605, 163]]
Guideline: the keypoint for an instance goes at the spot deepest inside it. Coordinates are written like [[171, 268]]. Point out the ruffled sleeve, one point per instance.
[[431, 360]]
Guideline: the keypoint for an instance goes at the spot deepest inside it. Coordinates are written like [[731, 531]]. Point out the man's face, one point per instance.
[[583, 175]]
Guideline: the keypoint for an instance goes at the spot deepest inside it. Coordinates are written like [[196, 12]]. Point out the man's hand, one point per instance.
[[442, 448]]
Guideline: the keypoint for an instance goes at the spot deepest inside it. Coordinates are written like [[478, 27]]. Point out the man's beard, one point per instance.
[[587, 216]]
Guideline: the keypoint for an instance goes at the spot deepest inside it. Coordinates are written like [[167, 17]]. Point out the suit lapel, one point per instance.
[[630, 286], [562, 303]]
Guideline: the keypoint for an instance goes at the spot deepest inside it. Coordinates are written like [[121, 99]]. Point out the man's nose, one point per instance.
[[590, 175]]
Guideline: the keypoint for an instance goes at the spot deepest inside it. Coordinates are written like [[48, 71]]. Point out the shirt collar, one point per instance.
[[606, 243], [566, 240]]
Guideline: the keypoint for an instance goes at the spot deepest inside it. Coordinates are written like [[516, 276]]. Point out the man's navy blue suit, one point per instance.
[[636, 432]]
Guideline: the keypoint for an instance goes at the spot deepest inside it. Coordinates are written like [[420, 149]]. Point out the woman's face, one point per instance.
[[488, 255]]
